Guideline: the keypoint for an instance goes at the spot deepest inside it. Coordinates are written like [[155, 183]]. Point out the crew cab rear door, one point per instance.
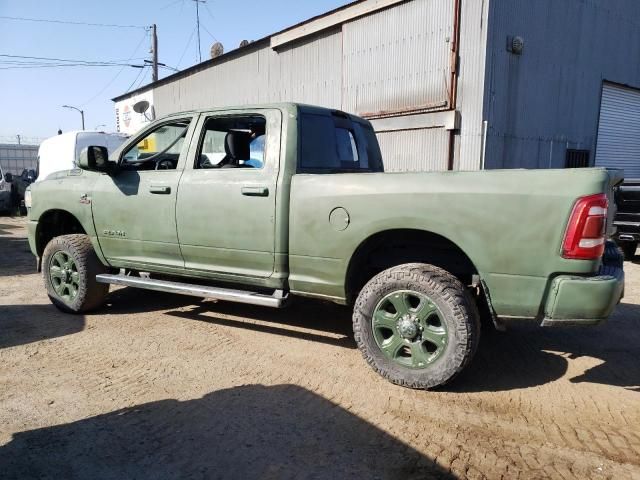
[[226, 204]]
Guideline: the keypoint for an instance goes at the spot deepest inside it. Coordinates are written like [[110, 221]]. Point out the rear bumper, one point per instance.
[[577, 300]]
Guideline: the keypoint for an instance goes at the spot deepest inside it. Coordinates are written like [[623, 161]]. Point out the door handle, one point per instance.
[[255, 191], [160, 189]]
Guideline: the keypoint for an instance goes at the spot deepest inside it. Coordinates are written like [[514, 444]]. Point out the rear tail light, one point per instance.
[[586, 232]]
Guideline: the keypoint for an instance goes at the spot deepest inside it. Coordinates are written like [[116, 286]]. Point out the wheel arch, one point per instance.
[[388, 248], [54, 223]]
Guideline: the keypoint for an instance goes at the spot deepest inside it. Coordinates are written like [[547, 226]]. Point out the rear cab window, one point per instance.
[[334, 143]]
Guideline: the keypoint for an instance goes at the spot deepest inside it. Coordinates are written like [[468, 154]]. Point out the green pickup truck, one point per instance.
[[259, 204]]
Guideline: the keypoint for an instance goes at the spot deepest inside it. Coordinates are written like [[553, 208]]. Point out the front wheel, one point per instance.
[[69, 267], [416, 325]]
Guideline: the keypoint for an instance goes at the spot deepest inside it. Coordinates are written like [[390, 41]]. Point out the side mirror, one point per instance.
[[8, 177], [95, 159]]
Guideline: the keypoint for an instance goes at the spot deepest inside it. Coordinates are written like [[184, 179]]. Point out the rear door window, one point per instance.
[[233, 142]]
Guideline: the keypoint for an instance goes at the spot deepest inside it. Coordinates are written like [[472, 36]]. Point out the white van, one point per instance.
[[61, 152]]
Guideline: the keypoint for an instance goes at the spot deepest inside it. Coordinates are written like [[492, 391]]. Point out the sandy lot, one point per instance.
[[159, 386]]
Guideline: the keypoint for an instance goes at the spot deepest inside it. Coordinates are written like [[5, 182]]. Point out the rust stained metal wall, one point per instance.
[[399, 58], [396, 59], [471, 83]]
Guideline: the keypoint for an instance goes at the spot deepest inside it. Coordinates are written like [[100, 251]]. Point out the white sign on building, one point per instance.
[[127, 119]]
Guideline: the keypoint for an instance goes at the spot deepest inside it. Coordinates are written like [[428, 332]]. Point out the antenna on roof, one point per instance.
[[198, 2]]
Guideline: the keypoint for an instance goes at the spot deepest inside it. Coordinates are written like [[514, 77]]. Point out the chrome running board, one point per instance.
[[276, 300]]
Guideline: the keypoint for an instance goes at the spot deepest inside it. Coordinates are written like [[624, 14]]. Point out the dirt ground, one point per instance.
[[158, 386]]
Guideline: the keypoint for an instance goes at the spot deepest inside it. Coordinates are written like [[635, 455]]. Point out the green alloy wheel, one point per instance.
[[409, 329], [64, 276], [416, 325], [70, 266]]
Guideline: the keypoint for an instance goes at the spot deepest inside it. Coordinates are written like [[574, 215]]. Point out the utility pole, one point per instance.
[[154, 52], [198, 2]]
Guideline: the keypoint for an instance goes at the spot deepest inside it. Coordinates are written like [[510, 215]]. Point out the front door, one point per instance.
[[134, 209], [226, 202]]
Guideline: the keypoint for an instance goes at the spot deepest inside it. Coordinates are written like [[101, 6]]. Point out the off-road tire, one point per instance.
[[453, 300], [628, 249], [90, 294]]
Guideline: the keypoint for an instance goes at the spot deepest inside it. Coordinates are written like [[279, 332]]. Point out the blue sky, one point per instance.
[[31, 98]]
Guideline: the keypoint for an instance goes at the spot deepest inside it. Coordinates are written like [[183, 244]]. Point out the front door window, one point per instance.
[[158, 150]]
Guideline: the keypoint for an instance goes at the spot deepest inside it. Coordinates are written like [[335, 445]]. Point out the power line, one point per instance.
[[146, 74], [162, 65], [135, 80], [52, 59], [69, 22], [210, 34], [186, 48], [210, 13], [62, 65], [119, 72], [171, 4]]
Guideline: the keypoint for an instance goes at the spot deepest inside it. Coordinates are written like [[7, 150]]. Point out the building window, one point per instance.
[[577, 158]]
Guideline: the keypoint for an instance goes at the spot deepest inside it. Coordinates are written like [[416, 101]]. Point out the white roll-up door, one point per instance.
[[619, 130]]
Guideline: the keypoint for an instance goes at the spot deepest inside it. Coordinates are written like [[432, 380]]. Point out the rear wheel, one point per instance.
[[70, 266], [416, 325]]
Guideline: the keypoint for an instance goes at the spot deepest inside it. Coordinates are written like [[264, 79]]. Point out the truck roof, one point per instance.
[[291, 107]]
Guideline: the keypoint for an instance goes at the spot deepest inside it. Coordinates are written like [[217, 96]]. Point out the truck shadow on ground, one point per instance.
[[527, 355], [24, 324], [15, 257], [253, 431], [306, 319], [6, 228]]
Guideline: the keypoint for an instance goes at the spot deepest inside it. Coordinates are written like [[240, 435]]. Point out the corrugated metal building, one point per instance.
[[15, 158], [447, 84]]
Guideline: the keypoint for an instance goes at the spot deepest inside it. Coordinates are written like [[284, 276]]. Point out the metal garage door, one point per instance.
[[619, 130]]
